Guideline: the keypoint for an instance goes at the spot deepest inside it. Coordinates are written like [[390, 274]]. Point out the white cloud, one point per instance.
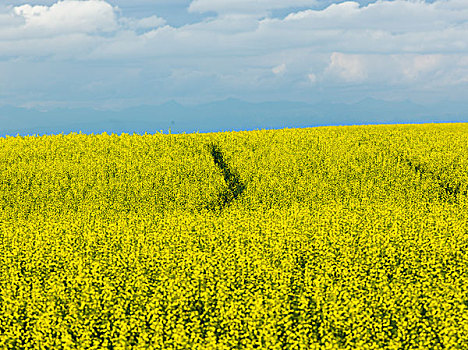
[[421, 72], [143, 23], [398, 16], [151, 22], [312, 78], [279, 70], [336, 11], [69, 16], [349, 68], [246, 6], [421, 64]]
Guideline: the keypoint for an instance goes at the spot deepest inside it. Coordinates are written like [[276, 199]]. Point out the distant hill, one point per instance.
[[229, 114]]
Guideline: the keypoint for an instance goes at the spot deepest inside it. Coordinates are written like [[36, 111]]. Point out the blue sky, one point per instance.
[[121, 53]]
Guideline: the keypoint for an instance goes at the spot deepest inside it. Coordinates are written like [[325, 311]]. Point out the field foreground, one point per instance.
[[333, 237]]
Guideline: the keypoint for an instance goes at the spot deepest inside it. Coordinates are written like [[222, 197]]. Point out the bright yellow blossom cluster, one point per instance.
[[321, 238]]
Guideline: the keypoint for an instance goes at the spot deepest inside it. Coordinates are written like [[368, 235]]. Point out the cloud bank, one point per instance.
[[92, 51], [246, 6], [67, 17]]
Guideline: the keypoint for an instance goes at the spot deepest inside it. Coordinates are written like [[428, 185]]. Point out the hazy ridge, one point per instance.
[[229, 114]]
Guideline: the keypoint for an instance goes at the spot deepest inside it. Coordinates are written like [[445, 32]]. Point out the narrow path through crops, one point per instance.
[[452, 190], [235, 186]]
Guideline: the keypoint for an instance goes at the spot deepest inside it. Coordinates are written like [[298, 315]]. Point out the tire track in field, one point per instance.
[[235, 186], [452, 190]]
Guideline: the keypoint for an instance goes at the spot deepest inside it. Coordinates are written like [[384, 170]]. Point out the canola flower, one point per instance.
[[335, 238]]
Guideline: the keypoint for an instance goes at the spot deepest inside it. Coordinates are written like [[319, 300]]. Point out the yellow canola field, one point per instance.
[[321, 238]]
